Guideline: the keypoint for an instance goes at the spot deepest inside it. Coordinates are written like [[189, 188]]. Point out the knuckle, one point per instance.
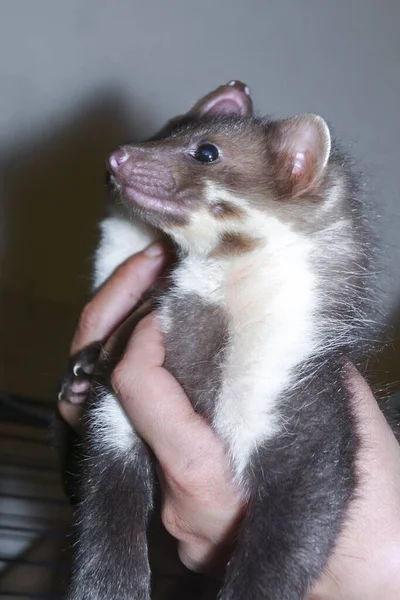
[[124, 380], [118, 377], [189, 476], [186, 558], [182, 479], [193, 556], [174, 524]]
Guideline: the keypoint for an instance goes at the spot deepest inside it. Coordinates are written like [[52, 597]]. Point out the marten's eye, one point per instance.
[[206, 153]]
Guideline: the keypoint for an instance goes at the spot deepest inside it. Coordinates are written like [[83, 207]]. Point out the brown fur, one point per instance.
[[233, 243], [225, 210], [248, 168]]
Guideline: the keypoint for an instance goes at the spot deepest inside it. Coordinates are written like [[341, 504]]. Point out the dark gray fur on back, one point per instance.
[[196, 345]]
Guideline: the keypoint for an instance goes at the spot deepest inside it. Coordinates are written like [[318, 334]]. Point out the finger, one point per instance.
[[118, 340], [118, 296], [156, 403], [372, 520], [371, 421]]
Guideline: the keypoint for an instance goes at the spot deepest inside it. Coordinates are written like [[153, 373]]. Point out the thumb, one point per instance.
[[155, 402]]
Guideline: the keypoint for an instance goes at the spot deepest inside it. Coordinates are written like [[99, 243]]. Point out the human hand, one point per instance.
[[201, 506], [365, 564]]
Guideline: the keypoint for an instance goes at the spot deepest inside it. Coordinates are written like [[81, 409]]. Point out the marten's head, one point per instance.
[[213, 177]]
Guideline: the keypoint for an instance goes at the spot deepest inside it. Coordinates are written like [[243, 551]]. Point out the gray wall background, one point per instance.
[[81, 76]]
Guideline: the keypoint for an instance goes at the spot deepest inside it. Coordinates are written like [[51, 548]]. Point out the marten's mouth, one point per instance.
[[148, 202]]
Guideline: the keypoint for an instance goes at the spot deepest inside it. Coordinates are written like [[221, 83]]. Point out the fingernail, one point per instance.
[[154, 250]]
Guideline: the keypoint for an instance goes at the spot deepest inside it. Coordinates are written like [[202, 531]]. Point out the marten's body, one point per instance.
[[266, 303]]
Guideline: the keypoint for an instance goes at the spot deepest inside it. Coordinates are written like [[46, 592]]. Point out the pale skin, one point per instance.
[[201, 507]]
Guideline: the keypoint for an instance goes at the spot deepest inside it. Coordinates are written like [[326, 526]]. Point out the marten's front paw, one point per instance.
[[76, 384]]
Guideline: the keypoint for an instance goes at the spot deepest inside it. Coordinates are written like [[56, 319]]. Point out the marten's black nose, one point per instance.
[[117, 159]]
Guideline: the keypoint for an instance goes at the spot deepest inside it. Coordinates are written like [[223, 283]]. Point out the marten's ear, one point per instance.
[[300, 149], [232, 98]]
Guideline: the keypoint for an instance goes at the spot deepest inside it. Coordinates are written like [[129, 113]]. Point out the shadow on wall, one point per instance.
[[53, 197]]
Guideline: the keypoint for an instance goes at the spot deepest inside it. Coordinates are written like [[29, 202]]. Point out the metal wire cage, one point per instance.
[[35, 516], [34, 513]]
